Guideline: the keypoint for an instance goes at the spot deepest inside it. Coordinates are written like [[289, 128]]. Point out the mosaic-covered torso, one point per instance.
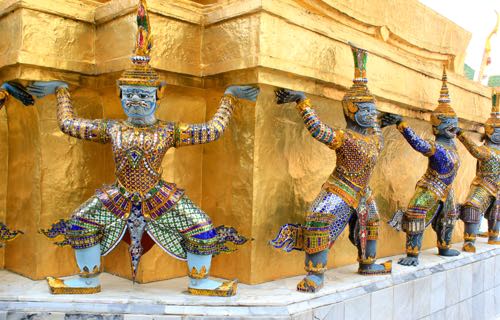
[[488, 172], [488, 166], [138, 153], [356, 159], [442, 170]]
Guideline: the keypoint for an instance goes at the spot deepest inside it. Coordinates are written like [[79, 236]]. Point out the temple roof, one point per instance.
[[469, 72], [494, 81]]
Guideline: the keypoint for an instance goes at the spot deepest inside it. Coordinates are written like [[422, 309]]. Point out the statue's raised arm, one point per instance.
[[319, 130], [363, 113], [189, 134], [69, 122], [482, 153], [425, 147]]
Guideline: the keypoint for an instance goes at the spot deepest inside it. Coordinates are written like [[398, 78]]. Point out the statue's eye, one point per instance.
[[143, 96], [129, 95]]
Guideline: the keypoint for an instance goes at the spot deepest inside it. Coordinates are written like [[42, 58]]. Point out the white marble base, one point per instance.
[[463, 287]]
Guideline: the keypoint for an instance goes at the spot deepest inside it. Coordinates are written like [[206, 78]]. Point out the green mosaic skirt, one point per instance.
[[183, 228]]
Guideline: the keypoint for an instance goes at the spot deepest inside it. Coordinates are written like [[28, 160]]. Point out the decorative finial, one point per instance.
[[143, 43], [141, 73], [444, 96], [444, 108], [358, 92], [493, 121], [360, 57]]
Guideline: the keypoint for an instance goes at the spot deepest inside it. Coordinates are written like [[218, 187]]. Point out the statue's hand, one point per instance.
[[389, 119], [19, 92], [244, 92], [287, 96], [41, 89]]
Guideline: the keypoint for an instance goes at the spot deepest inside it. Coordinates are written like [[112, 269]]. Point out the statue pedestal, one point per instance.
[[463, 287]]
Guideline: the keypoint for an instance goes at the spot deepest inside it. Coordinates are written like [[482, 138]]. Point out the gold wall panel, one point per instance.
[[228, 185], [303, 51], [24, 198], [176, 44], [68, 44], [10, 29], [239, 50], [80, 10], [4, 162], [408, 21]]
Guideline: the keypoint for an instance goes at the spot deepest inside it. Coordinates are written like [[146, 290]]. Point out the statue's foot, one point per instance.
[[408, 261], [448, 252], [76, 285], [207, 287], [374, 268], [311, 283], [495, 240], [469, 247]]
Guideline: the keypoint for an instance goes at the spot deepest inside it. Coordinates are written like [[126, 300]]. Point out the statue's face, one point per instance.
[[448, 127], [138, 101], [366, 116], [495, 136]]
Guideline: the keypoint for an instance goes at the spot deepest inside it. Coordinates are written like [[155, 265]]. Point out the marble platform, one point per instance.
[[463, 287]]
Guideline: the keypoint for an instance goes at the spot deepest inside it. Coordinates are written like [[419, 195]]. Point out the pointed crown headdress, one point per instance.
[[444, 108], [141, 73], [494, 120], [358, 92]]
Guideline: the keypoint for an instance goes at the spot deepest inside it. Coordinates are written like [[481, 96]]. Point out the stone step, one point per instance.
[[463, 287]]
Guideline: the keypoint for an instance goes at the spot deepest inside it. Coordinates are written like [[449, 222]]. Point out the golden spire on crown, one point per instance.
[[494, 119], [141, 73], [358, 93], [360, 58], [495, 102], [444, 108]]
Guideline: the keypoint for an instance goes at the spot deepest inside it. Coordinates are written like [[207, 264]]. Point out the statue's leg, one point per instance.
[[187, 232], [444, 225], [92, 230], [422, 210], [367, 265], [326, 219], [315, 265], [471, 227], [493, 232], [478, 201], [493, 223], [89, 263], [199, 284]]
